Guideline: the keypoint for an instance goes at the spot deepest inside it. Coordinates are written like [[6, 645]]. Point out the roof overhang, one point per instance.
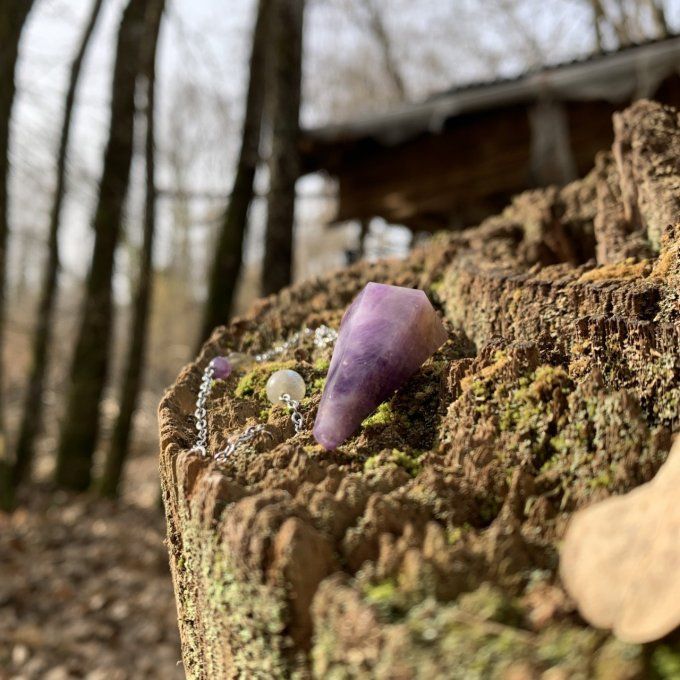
[[619, 76]]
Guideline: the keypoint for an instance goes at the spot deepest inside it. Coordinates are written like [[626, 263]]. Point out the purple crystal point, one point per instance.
[[386, 335], [222, 367]]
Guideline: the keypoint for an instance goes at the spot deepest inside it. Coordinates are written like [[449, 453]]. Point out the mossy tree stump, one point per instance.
[[426, 546]]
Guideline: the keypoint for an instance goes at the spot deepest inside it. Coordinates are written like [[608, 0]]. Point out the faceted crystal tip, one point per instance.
[[386, 335]]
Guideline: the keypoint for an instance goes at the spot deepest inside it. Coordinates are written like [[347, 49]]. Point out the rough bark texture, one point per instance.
[[134, 369], [80, 426], [284, 162], [12, 19], [426, 546], [32, 416], [226, 267]]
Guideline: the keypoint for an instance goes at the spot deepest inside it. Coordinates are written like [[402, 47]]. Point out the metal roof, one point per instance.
[[631, 72]]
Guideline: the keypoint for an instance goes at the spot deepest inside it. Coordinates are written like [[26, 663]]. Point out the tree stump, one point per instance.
[[426, 545]]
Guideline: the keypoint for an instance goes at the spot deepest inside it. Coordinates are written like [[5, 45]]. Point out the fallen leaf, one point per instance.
[[620, 559]]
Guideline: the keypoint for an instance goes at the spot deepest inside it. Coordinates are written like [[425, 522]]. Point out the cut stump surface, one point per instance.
[[426, 546]]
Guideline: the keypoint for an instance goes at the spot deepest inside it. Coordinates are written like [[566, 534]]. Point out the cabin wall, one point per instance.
[[470, 169]]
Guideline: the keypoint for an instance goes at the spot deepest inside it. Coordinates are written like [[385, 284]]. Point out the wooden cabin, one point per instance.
[[461, 155]]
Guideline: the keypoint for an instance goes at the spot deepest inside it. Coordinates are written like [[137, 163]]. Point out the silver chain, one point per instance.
[[324, 336], [243, 438], [297, 417], [200, 414]]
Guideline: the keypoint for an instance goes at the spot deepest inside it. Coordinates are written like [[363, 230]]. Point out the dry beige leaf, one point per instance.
[[620, 560]]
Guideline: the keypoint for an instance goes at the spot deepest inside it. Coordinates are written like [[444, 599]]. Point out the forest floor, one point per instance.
[[85, 590]]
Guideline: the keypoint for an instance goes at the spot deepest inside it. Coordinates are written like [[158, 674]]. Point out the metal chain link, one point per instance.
[[297, 417], [243, 438], [323, 337], [200, 414]]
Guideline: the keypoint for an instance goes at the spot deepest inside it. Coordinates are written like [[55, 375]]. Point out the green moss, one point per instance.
[[381, 592], [407, 461], [568, 647], [373, 462], [318, 384], [602, 481], [442, 644], [386, 597], [253, 383], [383, 415], [616, 660], [489, 507], [526, 408], [243, 620], [491, 604], [665, 662], [480, 390], [476, 638], [437, 285], [456, 534], [528, 411], [604, 443], [583, 437], [250, 615], [322, 365], [499, 356]]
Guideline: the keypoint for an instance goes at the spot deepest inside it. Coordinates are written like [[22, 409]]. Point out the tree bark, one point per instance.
[[379, 30], [598, 17], [80, 426], [659, 18], [226, 266], [284, 161], [621, 25], [133, 378], [32, 417], [12, 20]]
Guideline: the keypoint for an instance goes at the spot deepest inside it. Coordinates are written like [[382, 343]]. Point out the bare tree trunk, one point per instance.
[[32, 416], [659, 18], [598, 17], [12, 20], [383, 39], [284, 161], [80, 426], [120, 439], [226, 266], [621, 24]]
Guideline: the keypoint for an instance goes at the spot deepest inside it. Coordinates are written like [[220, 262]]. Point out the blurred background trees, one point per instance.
[[162, 154], [12, 22], [32, 414], [89, 365], [226, 264], [133, 373]]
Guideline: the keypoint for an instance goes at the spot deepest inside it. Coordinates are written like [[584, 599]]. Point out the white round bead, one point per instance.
[[285, 382]]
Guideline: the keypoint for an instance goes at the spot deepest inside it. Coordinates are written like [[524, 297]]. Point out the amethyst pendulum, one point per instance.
[[386, 335]]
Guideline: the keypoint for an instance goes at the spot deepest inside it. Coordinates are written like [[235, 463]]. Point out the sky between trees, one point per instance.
[[434, 44]]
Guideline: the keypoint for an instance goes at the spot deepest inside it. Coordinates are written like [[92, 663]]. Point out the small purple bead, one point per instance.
[[222, 367]]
